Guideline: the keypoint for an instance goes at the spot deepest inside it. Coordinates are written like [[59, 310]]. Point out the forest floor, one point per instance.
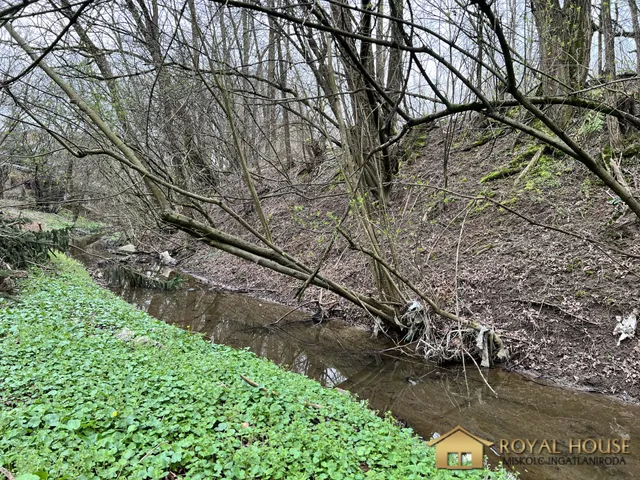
[[553, 296], [164, 403]]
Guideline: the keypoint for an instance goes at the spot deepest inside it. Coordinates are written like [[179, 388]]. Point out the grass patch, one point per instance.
[[81, 400], [55, 221]]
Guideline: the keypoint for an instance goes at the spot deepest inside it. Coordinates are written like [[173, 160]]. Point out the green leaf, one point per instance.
[[73, 424]]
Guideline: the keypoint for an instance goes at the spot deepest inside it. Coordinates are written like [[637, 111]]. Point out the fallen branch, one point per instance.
[[7, 473], [254, 384], [437, 310], [532, 163], [289, 313], [557, 307]]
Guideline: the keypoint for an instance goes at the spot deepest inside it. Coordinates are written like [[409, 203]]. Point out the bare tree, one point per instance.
[[187, 102]]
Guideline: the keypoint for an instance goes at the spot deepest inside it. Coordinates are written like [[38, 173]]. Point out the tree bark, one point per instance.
[[564, 34], [615, 137], [633, 8]]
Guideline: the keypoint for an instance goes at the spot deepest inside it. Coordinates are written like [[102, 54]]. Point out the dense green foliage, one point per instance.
[[20, 247], [80, 401]]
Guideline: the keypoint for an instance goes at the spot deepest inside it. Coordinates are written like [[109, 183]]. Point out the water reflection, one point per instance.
[[328, 353], [427, 397]]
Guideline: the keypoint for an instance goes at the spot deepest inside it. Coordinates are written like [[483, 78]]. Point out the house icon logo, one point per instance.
[[459, 450]]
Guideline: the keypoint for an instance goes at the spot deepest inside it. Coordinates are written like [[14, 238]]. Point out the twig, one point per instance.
[[324, 256], [464, 367], [559, 308], [532, 163], [7, 473], [289, 313], [481, 374], [253, 384]]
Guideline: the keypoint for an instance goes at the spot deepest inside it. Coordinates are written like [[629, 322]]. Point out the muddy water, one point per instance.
[[426, 397]]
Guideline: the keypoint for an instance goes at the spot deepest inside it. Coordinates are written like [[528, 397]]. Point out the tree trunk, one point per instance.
[[284, 60], [633, 8], [565, 34], [615, 137], [274, 38]]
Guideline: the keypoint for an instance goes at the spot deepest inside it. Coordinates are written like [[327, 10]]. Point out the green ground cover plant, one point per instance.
[[91, 388], [53, 221]]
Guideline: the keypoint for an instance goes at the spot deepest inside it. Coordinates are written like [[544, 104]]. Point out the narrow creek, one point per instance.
[[426, 397]]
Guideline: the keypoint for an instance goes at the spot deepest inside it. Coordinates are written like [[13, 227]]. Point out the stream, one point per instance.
[[426, 397]]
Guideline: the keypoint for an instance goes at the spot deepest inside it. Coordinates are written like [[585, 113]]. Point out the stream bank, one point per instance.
[[552, 296], [93, 388], [425, 397]]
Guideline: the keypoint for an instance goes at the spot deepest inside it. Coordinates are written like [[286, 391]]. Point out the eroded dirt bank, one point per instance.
[[524, 268]]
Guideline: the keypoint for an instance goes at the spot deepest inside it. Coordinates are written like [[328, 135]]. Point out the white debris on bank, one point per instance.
[[626, 327], [415, 321], [167, 259], [127, 249], [482, 344]]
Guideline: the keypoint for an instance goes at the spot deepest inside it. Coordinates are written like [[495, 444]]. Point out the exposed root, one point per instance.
[[442, 342]]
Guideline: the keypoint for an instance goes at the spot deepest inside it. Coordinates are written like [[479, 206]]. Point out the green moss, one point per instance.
[[502, 172], [631, 146], [513, 112], [516, 165], [480, 207], [525, 153], [414, 143], [485, 137], [487, 192], [576, 263], [420, 141], [606, 154], [546, 170], [531, 186], [80, 401], [546, 173], [538, 125]]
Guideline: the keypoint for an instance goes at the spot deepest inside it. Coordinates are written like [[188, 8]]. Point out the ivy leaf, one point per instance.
[[73, 424]]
